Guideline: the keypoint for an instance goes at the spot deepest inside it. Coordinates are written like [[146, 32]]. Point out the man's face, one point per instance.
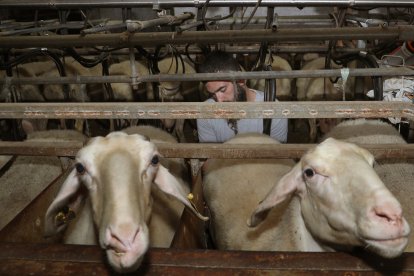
[[221, 91]]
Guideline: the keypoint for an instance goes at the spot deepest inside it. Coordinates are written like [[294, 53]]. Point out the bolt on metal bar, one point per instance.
[[196, 110]]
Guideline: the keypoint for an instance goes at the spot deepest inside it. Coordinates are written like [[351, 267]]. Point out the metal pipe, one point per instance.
[[134, 25], [161, 4], [224, 36], [134, 72], [322, 73], [250, 49]]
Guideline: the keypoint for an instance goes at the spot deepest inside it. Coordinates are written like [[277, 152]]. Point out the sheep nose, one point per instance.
[[121, 238], [389, 213]]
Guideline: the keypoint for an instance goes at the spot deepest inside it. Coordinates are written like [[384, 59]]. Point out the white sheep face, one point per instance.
[[117, 171], [343, 201]]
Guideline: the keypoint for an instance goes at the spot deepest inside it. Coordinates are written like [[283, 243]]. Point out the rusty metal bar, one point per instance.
[[314, 47], [58, 259], [205, 150], [195, 110], [221, 36], [366, 72], [68, 4]]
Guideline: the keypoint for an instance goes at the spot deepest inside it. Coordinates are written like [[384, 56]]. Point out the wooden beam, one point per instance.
[[59, 259], [206, 150]]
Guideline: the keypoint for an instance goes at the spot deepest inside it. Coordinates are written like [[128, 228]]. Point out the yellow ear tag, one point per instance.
[[64, 216], [190, 198]]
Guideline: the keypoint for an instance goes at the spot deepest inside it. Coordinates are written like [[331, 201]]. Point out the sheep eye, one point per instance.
[[155, 159], [80, 168], [309, 173]]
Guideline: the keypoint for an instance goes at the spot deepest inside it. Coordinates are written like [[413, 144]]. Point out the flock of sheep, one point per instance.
[[307, 89], [124, 196]]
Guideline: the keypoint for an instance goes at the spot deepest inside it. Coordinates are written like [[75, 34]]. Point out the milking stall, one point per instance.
[[104, 171]]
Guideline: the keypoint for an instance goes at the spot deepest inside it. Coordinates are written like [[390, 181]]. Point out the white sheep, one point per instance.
[[31, 92], [330, 200], [397, 174], [175, 91], [27, 92], [123, 91], [32, 173], [169, 91], [317, 89], [117, 178], [76, 92], [283, 86], [52, 92]]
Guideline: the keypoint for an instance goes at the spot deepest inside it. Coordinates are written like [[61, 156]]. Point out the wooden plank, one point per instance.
[[28, 225], [58, 259], [195, 110], [191, 232], [206, 150], [40, 148]]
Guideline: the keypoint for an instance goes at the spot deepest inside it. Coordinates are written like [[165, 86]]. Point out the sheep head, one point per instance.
[[343, 201], [117, 172]]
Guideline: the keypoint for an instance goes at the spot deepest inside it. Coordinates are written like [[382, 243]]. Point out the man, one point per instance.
[[221, 130]]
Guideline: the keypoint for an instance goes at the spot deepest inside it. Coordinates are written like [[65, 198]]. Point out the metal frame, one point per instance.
[[157, 4], [56, 259], [365, 72], [222, 36]]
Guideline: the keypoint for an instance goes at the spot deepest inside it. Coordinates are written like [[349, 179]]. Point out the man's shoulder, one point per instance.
[[259, 95]]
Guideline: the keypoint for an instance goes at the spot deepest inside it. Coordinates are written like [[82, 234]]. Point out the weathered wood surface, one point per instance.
[[191, 233], [196, 110], [58, 259], [205, 150], [28, 225]]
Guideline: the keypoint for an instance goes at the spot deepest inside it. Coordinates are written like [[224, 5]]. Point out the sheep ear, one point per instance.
[[169, 185], [64, 206], [286, 187], [364, 153]]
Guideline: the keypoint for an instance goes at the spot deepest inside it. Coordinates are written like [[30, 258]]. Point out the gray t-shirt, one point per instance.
[[219, 131]]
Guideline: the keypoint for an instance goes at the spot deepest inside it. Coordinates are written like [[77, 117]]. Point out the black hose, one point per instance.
[[26, 56], [89, 63]]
